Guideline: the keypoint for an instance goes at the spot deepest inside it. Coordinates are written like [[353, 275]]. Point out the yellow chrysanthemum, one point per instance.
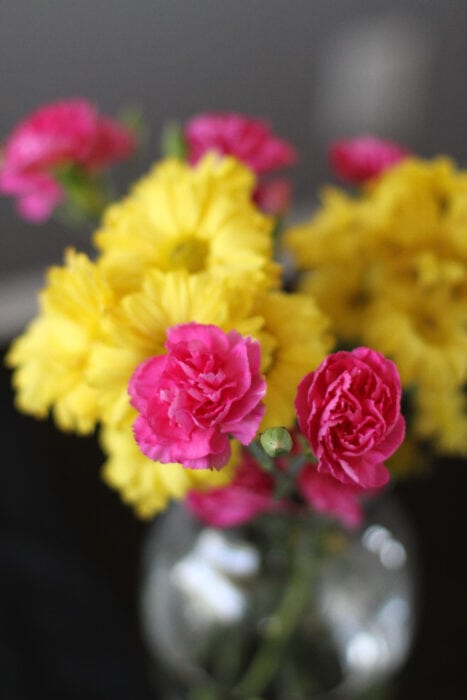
[[425, 336], [342, 293], [149, 486], [389, 266], [49, 360], [188, 245], [442, 418], [411, 206], [51, 357], [188, 218], [294, 339], [77, 291], [409, 459], [332, 236]]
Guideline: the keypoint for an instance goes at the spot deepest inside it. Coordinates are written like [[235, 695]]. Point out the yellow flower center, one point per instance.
[[188, 254], [429, 327]]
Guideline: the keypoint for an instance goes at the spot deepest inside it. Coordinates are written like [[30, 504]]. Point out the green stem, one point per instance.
[[256, 451], [281, 627]]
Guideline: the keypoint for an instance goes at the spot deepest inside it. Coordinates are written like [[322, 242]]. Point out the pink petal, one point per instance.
[[364, 157]]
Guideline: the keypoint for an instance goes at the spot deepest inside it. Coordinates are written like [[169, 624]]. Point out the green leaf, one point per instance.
[[173, 142]]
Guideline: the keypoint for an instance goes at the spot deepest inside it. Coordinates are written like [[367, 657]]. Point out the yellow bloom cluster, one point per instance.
[[187, 244], [389, 267]]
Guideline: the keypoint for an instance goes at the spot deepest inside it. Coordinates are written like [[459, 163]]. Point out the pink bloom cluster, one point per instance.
[[61, 133], [329, 496], [252, 142], [357, 160], [349, 411], [249, 494], [206, 388]]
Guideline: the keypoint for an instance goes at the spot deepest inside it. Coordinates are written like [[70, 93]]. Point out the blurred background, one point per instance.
[[317, 69]]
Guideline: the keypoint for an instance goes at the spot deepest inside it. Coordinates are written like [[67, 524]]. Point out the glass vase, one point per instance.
[[288, 607]]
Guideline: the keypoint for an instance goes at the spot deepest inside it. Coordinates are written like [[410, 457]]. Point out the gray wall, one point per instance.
[[316, 68]]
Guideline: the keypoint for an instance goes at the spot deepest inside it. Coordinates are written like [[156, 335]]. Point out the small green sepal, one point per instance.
[[276, 441]]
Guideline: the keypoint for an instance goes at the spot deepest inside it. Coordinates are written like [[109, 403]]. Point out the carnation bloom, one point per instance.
[[359, 159], [349, 410], [68, 132], [249, 140], [252, 142], [329, 496], [206, 388], [248, 494]]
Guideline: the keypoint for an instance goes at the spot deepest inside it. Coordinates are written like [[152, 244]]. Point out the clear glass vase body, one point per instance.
[[289, 607]]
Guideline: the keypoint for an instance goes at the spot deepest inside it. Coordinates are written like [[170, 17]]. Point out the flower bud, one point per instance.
[[276, 441]]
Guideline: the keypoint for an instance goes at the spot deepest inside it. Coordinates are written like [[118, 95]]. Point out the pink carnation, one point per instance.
[[62, 133], [249, 140], [330, 496], [349, 410], [249, 494], [252, 142], [206, 388], [359, 159]]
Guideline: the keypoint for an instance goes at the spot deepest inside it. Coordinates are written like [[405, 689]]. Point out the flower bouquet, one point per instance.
[[262, 400]]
